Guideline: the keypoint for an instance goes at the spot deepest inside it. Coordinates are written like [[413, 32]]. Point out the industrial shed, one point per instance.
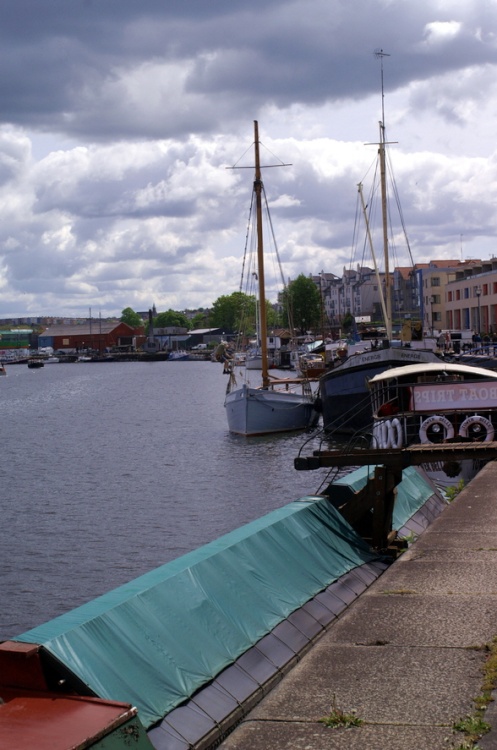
[[96, 335]]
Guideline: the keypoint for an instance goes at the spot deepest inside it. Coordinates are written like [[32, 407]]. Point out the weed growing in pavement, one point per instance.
[[452, 492], [338, 718], [473, 725], [410, 538]]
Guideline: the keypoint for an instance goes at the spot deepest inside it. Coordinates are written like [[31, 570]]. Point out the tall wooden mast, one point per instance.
[[384, 214], [260, 259], [380, 54]]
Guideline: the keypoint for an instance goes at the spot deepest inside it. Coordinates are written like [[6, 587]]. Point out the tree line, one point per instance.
[[300, 309]]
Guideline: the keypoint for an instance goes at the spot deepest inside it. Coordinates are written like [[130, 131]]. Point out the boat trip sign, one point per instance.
[[434, 397]]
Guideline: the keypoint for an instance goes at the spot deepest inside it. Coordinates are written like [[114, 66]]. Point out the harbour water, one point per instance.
[[111, 469]]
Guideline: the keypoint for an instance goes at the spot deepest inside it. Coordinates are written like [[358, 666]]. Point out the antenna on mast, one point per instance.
[[379, 54]]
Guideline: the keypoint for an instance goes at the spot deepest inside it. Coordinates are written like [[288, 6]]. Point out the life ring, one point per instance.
[[377, 442], [481, 421], [387, 434], [395, 434], [429, 422], [384, 433]]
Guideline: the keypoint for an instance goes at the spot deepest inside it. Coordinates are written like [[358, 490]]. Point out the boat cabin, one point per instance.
[[433, 403]]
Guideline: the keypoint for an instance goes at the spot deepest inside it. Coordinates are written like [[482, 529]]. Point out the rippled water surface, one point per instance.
[[108, 470]]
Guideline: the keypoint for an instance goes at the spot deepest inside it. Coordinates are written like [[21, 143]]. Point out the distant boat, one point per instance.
[[253, 360], [177, 355], [35, 364], [3, 371], [311, 365], [274, 406]]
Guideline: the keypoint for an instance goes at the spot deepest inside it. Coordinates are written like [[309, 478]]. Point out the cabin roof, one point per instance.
[[414, 370]]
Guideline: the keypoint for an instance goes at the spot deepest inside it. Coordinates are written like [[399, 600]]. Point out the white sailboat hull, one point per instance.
[[254, 362], [254, 411]]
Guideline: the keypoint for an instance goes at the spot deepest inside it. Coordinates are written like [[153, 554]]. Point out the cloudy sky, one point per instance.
[[118, 119]]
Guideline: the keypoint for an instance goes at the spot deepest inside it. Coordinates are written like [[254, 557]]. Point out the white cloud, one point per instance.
[[438, 32], [119, 125]]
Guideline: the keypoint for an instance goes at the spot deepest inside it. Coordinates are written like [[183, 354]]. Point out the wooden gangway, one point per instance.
[[370, 511], [414, 455]]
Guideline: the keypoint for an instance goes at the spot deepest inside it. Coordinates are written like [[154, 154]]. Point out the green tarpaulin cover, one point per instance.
[[412, 493], [154, 641]]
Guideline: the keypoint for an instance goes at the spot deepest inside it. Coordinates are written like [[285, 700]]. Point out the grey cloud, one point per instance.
[[62, 65]]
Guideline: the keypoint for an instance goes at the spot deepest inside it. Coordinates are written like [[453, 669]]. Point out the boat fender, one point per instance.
[[395, 436], [430, 421], [478, 420]]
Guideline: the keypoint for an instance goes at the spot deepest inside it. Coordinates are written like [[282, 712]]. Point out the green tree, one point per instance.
[[348, 322], [234, 312], [132, 318], [302, 303], [272, 316], [170, 319], [201, 319]]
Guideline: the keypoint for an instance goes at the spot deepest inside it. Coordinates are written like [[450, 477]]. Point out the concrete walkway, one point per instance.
[[406, 655]]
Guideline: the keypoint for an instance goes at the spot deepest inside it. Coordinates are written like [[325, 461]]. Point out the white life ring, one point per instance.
[[395, 434], [478, 420], [377, 442], [388, 434], [430, 421], [384, 433]]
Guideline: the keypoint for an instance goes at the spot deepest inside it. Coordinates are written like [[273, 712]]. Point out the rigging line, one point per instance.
[[355, 233], [273, 236], [248, 279], [359, 213], [281, 163], [399, 208], [236, 165], [249, 224], [278, 258]]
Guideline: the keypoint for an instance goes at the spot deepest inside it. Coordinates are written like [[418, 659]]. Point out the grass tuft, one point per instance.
[[338, 718]]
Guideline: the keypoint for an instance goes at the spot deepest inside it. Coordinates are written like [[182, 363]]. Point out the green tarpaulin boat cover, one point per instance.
[[412, 493], [154, 641]]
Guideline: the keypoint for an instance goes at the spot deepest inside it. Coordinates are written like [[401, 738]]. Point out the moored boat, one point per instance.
[[178, 355], [312, 365], [344, 393], [276, 405], [435, 404]]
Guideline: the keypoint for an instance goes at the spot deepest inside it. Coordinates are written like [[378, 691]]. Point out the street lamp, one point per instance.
[[478, 295], [432, 302]]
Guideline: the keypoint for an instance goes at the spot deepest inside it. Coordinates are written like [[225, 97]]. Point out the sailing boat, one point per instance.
[[273, 406], [344, 392]]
